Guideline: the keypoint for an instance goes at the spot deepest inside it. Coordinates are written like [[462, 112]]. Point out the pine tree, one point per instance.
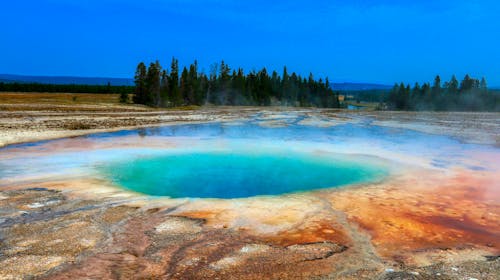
[[224, 84], [453, 85], [164, 89], [123, 97], [265, 89], [194, 93], [224, 71], [184, 89], [152, 96], [140, 83], [285, 87], [436, 87], [466, 84], [176, 97], [203, 89], [416, 90], [401, 103], [238, 86]]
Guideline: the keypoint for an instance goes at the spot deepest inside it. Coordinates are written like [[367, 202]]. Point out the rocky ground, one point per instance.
[[399, 229], [51, 230]]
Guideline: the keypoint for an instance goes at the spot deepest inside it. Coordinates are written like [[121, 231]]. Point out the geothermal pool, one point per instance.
[[262, 156], [235, 174]]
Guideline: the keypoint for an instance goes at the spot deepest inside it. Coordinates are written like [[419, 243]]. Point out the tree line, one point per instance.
[[72, 88], [468, 95], [155, 86]]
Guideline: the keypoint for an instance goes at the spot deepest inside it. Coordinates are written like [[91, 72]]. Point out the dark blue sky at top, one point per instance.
[[380, 41]]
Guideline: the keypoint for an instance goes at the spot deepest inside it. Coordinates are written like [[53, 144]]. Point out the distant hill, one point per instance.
[[65, 80], [358, 86]]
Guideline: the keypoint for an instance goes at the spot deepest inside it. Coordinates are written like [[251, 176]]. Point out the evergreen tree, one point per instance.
[[123, 97], [435, 90], [467, 84], [185, 87], [176, 97], [453, 85], [140, 83], [224, 71], [152, 95], [195, 94], [416, 90], [294, 88], [264, 88], [240, 90], [164, 89], [212, 84], [285, 87], [437, 83], [203, 89]]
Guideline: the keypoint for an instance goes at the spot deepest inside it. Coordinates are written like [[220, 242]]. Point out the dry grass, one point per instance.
[[65, 102], [73, 102], [58, 98]]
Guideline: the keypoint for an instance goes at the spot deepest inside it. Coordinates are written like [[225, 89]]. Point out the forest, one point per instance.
[[173, 87], [65, 88], [470, 94]]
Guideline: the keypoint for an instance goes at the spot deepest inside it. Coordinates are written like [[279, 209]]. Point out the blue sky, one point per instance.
[[380, 41]]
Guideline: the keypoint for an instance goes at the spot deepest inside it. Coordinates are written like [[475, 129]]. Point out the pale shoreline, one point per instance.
[[475, 128]]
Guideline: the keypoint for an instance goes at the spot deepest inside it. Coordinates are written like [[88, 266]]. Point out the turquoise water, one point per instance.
[[220, 159], [236, 175]]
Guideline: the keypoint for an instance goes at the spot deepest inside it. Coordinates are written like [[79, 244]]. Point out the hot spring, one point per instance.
[[236, 174], [287, 154]]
